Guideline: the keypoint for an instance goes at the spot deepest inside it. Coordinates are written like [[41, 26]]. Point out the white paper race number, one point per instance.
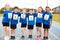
[[15, 17], [46, 17], [23, 16], [31, 18], [39, 15], [9, 15]]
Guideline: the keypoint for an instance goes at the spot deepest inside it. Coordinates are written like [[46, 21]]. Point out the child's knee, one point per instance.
[[6, 30], [45, 29]]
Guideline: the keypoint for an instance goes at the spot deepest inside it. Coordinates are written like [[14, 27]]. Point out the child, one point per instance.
[[6, 20], [47, 22], [14, 21], [31, 21], [23, 21], [39, 22]]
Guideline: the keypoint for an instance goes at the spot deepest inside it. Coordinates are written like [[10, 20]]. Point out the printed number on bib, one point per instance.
[[23, 16], [31, 18], [46, 17], [9, 15], [15, 17], [39, 15]]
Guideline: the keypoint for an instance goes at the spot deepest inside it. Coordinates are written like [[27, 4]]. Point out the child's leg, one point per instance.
[[39, 25], [13, 27], [23, 30], [30, 28], [6, 31], [30, 32], [38, 37], [46, 31], [12, 33], [38, 31]]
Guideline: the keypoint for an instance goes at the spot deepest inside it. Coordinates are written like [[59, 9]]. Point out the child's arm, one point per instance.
[[50, 22], [27, 18]]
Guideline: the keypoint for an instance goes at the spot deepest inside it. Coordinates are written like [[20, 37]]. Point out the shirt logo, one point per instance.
[[39, 15], [15, 17], [46, 17], [23, 16], [31, 18], [9, 15]]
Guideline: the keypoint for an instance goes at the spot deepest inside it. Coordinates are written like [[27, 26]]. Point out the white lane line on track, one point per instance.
[[1, 36], [54, 35]]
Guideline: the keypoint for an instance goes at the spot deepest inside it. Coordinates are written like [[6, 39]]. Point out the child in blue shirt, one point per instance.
[[14, 21], [39, 21], [31, 22], [5, 21], [47, 22], [23, 20]]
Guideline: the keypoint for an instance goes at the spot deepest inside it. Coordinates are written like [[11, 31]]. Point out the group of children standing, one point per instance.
[[27, 19]]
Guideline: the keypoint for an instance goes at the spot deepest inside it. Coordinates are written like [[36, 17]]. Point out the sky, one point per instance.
[[30, 3]]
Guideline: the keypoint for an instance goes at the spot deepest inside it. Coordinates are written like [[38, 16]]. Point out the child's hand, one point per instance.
[[51, 22]]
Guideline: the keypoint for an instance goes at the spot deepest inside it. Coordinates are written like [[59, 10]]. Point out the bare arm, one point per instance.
[[50, 22]]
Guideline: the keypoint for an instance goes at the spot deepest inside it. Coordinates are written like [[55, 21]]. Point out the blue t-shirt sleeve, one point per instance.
[[43, 15], [4, 14], [19, 14], [26, 15], [35, 14]]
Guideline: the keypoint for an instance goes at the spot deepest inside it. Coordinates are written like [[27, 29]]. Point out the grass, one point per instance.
[[56, 17], [1, 15]]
